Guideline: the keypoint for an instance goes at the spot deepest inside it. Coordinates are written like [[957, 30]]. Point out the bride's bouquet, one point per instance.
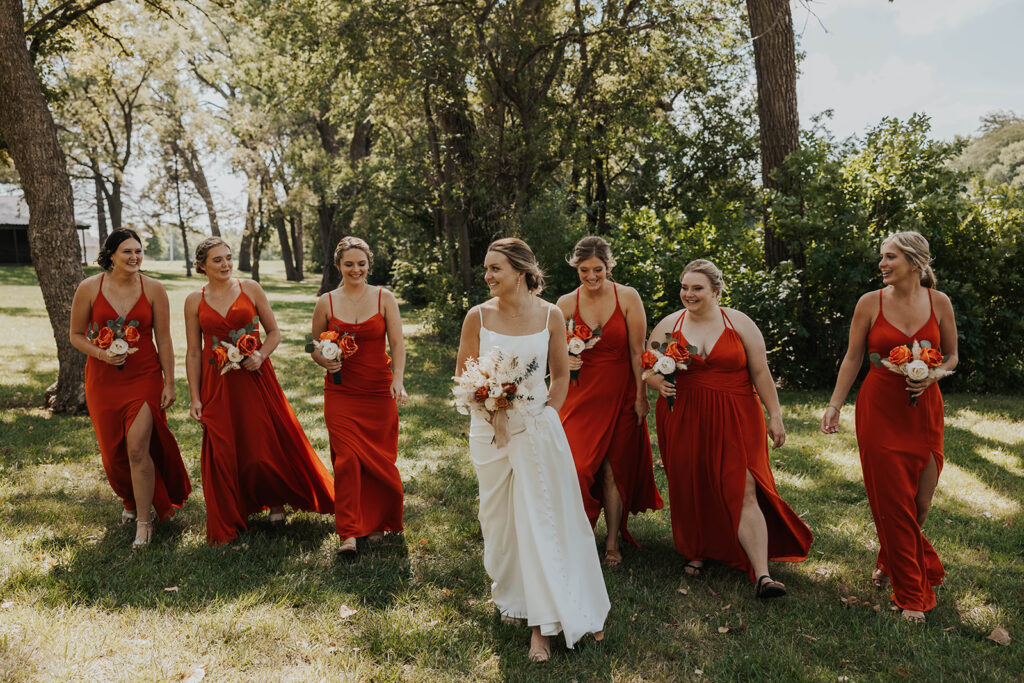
[[917, 362], [580, 338], [665, 360], [490, 386]]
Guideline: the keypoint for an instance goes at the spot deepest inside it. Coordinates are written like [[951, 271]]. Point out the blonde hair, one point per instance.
[[204, 247], [522, 259], [709, 269], [592, 247], [350, 242], [915, 248]]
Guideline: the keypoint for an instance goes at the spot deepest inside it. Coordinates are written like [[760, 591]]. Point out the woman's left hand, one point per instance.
[[776, 431], [167, 396], [398, 393], [642, 406], [917, 387], [253, 362]]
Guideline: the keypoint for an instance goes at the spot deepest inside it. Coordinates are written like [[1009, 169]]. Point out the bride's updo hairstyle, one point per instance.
[[105, 258], [349, 242], [521, 258], [592, 247], [204, 247], [915, 248], [709, 269]]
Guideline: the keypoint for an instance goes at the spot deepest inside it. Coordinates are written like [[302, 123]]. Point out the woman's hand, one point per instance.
[[917, 387], [575, 362], [776, 431], [662, 385], [830, 420], [641, 406], [253, 362], [330, 366], [168, 395], [397, 392], [113, 360], [195, 411]]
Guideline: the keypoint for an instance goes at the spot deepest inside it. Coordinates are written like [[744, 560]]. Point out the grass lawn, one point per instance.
[[76, 603]]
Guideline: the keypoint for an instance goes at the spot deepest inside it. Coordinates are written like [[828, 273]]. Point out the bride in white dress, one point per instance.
[[539, 548]]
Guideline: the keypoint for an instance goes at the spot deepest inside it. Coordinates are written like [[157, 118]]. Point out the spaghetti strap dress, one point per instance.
[[600, 424], [255, 454], [115, 397], [362, 420], [896, 441], [714, 435]]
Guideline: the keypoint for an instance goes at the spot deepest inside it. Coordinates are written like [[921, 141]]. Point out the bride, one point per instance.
[[539, 548]]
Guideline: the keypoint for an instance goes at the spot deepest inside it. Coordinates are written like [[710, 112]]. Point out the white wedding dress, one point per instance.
[[539, 548]]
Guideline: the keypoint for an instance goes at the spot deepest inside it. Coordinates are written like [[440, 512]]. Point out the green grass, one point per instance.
[[77, 604]]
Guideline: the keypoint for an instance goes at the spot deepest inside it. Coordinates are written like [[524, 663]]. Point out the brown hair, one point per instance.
[[204, 247], [592, 247], [915, 248], [522, 259], [709, 269], [113, 241], [350, 242]]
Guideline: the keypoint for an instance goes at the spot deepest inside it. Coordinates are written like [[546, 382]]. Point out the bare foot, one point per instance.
[[376, 537], [913, 616], [540, 647], [879, 579], [612, 557], [348, 547]]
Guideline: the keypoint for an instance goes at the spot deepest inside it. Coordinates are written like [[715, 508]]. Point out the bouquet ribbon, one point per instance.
[[499, 420]]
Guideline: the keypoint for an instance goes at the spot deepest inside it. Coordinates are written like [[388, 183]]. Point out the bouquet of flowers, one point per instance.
[[334, 345], [665, 360], [580, 338], [116, 337], [228, 355], [917, 362], [490, 387]]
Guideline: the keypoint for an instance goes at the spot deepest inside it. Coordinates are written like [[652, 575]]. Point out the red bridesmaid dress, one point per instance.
[[115, 397], [600, 423], [896, 439], [362, 420], [714, 435], [255, 454]]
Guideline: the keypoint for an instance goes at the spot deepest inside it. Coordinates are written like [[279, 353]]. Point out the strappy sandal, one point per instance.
[[540, 656], [770, 588], [913, 616], [128, 516], [136, 544], [511, 621], [612, 558], [879, 579], [691, 568], [348, 549], [376, 538]]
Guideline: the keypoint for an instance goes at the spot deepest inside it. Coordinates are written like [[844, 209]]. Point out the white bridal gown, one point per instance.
[[539, 547]]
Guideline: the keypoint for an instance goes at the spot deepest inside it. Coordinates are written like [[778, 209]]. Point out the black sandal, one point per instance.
[[692, 569], [770, 588]]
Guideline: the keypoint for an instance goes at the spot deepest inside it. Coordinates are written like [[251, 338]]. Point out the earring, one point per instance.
[[518, 282]]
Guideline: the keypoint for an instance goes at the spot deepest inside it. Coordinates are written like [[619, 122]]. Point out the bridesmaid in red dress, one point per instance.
[[362, 411], [604, 414], [255, 454], [128, 393], [722, 494], [900, 444]]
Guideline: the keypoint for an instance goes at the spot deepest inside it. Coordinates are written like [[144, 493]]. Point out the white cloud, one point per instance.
[[910, 17]]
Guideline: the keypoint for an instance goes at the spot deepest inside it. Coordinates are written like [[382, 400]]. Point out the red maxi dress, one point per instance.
[[896, 439], [714, 435], [600, 423], [255, 454], [115, 397], [362, 420]]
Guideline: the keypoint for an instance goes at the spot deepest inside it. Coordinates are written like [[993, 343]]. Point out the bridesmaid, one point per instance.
[[604, 415], [255, 454], [900, 444], [127, 394], [362, 412], [722, 494]]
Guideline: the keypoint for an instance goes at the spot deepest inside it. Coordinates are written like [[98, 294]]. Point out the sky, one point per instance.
[[953, 60]]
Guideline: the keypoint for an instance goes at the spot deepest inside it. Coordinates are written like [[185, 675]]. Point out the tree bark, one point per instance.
[[101, 211], [245, 250], [297, 244], [31, 135], [181, 220], [194, 168], [771, 27]]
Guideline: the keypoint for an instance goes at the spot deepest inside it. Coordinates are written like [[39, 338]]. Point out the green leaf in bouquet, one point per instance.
[[216, 342], [309, 347], [925, 344], [255, 321], [669, 338], [875, 359], [691, 349], [134, 323], [597, 331], [655, 345]]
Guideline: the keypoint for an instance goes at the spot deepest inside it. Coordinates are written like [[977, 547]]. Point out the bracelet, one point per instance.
[[838, 409]]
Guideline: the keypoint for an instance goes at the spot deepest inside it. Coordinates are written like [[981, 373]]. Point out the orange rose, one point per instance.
[[509, 389], [329, 335], [220, 354], [568, 336], [247, 344], [104, 337], [348, 346], [900, 355], [648, 359], [131, 334], [582, 332], [481, 394], [677, 352], [501, 403], [931, 357]]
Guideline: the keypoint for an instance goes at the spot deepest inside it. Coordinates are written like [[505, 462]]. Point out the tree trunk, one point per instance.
[[31, 135], [257, 240], [771, 27], [297, 244], [181, 220], [325, 213], [245, 250], [194, 168], [101, 211], [114, 202]]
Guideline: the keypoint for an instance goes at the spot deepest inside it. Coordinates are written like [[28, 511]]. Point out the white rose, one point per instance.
[[665, 365], [329, 350], [917, 370], [494, 390], [118, 347], [234, 355], [577, 346], [491, 404]]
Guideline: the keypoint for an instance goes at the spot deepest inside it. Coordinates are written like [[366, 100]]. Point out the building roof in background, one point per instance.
[[14, 210]]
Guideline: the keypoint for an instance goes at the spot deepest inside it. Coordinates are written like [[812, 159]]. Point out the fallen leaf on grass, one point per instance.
[[423, 542], [877, 608], [171, 589], [682, 591], [345, 611], [821, 571], [732, 629], [699, 672], [713, 592], [842, 679], [948, 629], [727, 607], [195, 675], [1007, 523], [849, 600], [445, 592], [810, 638], [999, 635], [723, 629], [902, 672]]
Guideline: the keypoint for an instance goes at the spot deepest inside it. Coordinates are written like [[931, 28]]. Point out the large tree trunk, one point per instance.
[[771, 27], [297, 242], [101, 210], [194, 168], [31, 135], [245, 250], [115, 205]]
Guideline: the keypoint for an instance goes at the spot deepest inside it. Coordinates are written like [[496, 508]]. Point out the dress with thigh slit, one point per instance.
[[115, 397], [713, 436], [362, 420], [896, 441], [255, 454], [600, 424]]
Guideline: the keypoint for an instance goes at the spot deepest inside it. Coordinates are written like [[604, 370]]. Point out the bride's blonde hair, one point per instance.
[[522, 259]]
